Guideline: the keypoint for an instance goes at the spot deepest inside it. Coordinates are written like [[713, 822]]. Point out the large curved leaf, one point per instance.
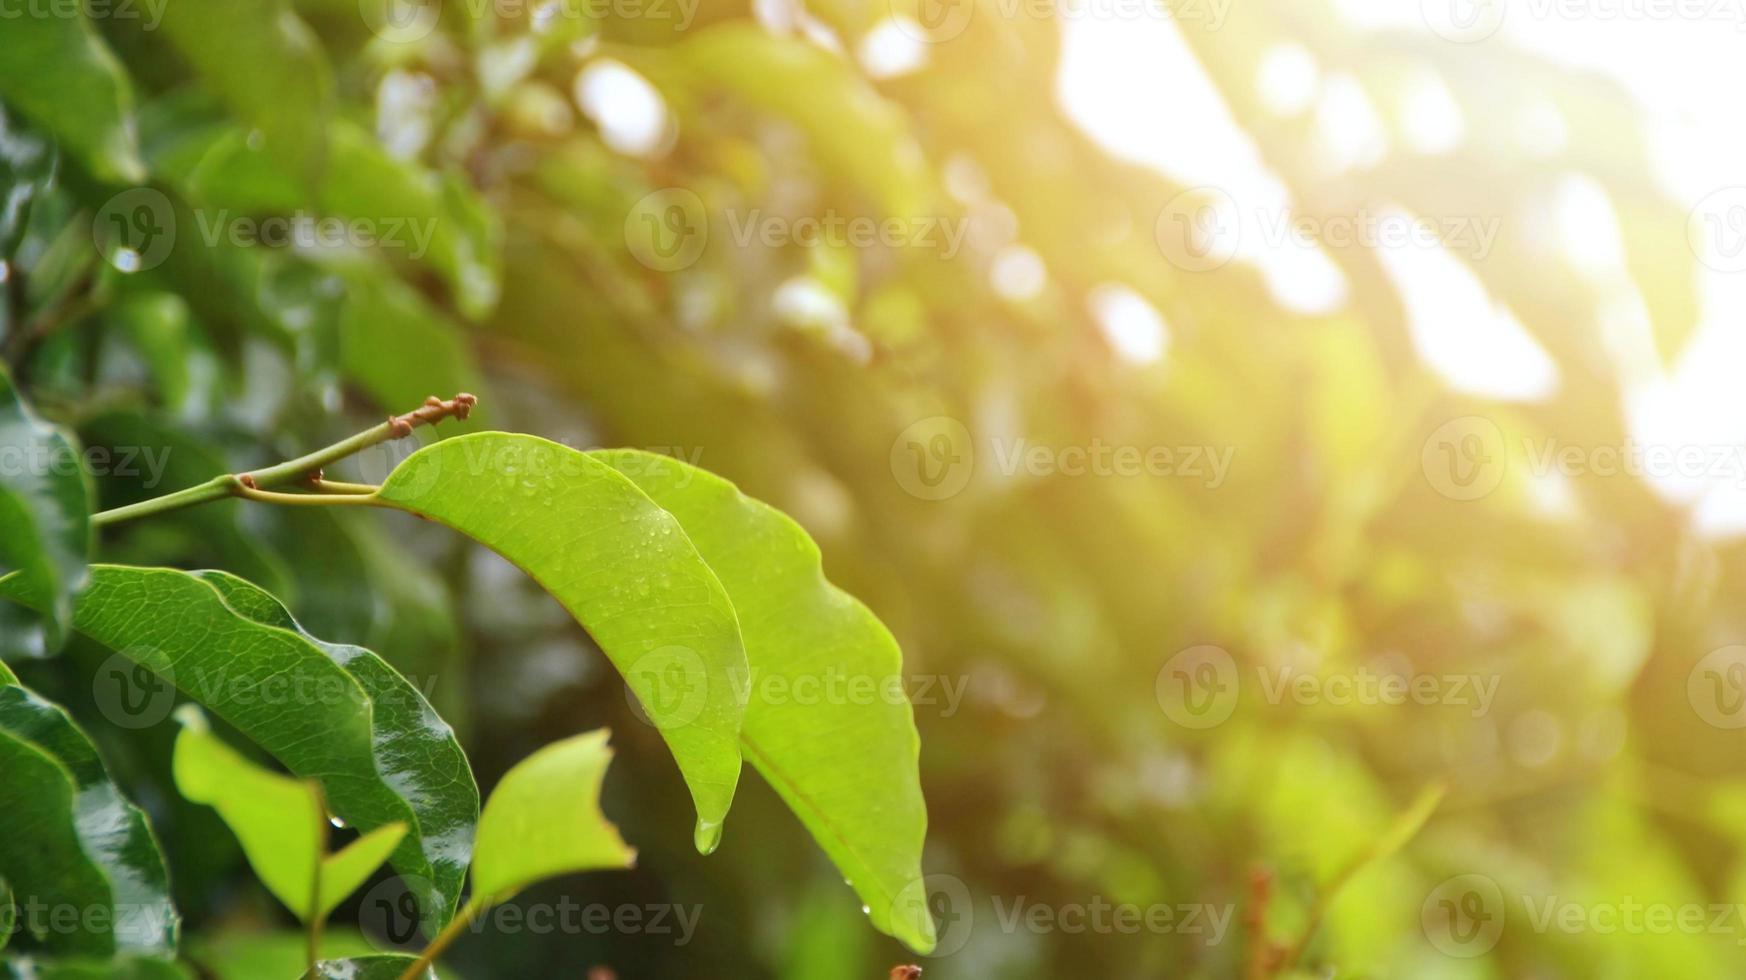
[[113, 831], [416, 751], [292, 698], [45, 530], [622, 566], [846, 765], [58, 72]]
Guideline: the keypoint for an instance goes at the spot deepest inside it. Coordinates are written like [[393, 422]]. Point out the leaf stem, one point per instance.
[[305, 470], [450, 933]]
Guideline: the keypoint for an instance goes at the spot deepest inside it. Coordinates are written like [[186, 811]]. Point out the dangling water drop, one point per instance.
[[708, 836]]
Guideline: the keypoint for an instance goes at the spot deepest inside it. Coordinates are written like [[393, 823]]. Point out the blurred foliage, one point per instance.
[[793, 371]]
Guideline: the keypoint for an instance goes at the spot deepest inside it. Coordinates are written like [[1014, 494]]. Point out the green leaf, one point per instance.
[[544, 820], [846, 766], [387, 966], [43, 857], [281, 822], [398, 347], [56, 71], [624, 569], [45, 503], [279, 953], [308, 705], [119, 968], [113, 832], [27, 171], [266, 65], [411, 213], [416, 751]]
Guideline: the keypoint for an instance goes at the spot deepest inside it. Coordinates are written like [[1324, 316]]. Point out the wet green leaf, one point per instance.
[[622, 566], [113, 831], [846, 765], [43, 858], [387, 966], [308, 706]]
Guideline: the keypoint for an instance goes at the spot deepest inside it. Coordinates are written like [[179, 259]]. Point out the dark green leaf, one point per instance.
[[290, 697], [63, 897], [45, 530], [416, 751], [114, 832], [58, 72]]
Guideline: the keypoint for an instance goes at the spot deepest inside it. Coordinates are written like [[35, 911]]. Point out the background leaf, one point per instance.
[[58, 72], [45, 528]]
